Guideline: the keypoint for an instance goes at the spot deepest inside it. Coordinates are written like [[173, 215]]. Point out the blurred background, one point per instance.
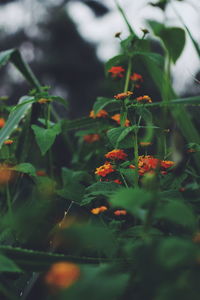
[[66, 42]]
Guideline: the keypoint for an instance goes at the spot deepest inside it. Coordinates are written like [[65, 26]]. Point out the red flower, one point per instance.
[[8, 142], [116, 72], [105, 169], [116, 154], [117, 181]]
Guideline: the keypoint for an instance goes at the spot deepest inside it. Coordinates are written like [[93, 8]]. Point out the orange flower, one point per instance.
[[123, 95], [8, 142], [41, 173], [43, 100], [116, 118], [145, 144], [98, 210], [166, 164], [136, 78], [117, 181], [116, 72], [116, 154], [101, 114], [2, 122], [62, 275], [120, 212], [144, 98], [91, 138], [6, 173], [105, 169]]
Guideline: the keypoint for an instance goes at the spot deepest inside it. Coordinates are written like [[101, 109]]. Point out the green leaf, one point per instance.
[[25, 168], [177, 212], [14, 118], [46, 137], [102, 102], [14, 56], [173, 38], [132, 200], [125, 135], [7, 265]]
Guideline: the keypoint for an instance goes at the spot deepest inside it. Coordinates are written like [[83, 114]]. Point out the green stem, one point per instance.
[[128, 74], [136, 156], [9, 203], [47, 119]]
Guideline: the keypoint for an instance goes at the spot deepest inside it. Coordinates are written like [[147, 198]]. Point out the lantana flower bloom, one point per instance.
[[101, 114], [8, 142], [116, 154], [123, 95], [98, 210], [120, 212], [105, 169], [116, 118], [144, 98], [116, 72]]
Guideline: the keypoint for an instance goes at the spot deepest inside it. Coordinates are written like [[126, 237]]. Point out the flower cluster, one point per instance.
[[101, 114], [148, 163], [116, 72], [105, 169], [98, 210], [124, 95], [116, 154], [145, 99], [8, 142], [120, 212]]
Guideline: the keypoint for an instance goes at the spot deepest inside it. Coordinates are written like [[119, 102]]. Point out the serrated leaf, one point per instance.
[[46, 137], [114, 134]]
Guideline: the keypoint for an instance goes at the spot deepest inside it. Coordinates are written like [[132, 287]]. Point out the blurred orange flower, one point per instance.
[[136, 78], [2, 122], [91, 138], [144, 98], [62, 275], [8, 142], [6, 173], [98, 210], [120, 212]]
